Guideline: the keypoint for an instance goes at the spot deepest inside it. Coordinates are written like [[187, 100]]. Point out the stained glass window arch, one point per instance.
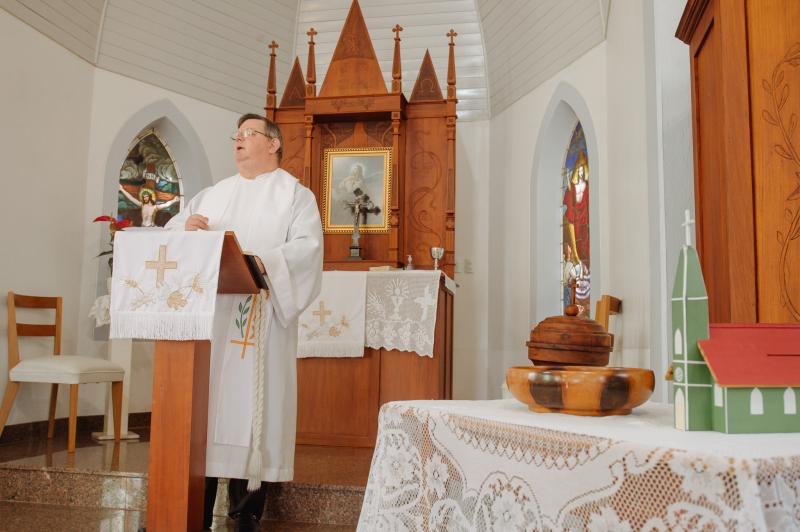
[[150, 184], [575, 249]]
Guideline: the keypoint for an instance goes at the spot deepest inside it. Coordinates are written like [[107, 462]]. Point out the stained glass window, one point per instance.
[[575, 250], [150, 190]]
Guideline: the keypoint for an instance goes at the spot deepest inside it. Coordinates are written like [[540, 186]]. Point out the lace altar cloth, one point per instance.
[[401, 310], [495, 466]]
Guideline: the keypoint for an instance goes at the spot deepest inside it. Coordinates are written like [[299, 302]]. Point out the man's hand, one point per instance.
[[260, 265], [195, 222]]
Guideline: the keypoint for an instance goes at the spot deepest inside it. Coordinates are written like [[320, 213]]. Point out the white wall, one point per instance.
[[45, 103], [514, 135], [630, 214], [471, 312], [612, 80], [675, 162], [67, 127], [198, 136]]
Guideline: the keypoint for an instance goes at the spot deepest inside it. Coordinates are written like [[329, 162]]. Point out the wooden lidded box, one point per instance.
[[570, 340]]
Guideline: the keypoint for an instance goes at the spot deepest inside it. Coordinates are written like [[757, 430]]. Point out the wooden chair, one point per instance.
[[55, 369], [606, 306]]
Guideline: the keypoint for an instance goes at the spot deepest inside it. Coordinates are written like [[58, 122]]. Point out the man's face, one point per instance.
[[254, 147], [146, 198]]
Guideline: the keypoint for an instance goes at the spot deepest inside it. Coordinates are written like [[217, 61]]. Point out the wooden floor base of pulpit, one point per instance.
[[176, 473]]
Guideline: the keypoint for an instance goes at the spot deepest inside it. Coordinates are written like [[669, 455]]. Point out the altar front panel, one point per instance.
[[338, 399]]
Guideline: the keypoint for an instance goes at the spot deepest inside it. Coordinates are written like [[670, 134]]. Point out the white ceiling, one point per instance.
[[215, 50]]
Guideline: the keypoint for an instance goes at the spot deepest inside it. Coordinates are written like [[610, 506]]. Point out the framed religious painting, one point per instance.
[[356, 187]]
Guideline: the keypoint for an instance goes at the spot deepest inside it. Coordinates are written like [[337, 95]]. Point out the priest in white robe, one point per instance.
[[253, 392]]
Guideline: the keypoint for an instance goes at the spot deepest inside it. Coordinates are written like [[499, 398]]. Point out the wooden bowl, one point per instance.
[[580, 390]]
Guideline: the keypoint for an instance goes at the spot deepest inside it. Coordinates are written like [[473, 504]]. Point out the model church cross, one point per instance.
[[397, 29], [161, 265], [687, 224], [311, 34]]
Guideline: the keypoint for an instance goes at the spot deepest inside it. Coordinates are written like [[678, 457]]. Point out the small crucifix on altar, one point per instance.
[[361, 206]]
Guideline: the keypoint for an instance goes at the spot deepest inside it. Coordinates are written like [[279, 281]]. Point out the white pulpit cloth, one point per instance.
[[333, 325], [165, 284], [401, 310]]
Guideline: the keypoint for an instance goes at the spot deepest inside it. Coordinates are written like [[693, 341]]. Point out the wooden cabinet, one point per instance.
[[745, 61]]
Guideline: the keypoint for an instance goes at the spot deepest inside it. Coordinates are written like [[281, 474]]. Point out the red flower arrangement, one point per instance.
[[115, 224]]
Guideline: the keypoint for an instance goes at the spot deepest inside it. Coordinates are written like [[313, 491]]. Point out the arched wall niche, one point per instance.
[[566, 108], [185, 147]]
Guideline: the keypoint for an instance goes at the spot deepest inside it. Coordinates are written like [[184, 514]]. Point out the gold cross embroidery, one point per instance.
[[322, 313], [161, 264], [247, 336]]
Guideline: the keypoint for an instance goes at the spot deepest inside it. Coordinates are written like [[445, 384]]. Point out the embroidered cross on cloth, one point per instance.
[[164, 285]]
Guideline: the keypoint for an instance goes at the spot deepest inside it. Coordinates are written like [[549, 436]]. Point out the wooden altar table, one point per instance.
[[338, 398], [493, 465]]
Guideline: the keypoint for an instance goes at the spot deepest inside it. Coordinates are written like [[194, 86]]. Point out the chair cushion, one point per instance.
[[66, 369]]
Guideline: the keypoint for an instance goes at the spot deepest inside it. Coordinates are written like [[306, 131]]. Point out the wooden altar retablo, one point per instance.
[[353, 114]]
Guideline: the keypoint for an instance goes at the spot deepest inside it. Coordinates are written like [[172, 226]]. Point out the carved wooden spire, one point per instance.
[[354, 69], [426, 89], [271, 87], [451, 67], [397, 69], [311, 71], [295, 91]]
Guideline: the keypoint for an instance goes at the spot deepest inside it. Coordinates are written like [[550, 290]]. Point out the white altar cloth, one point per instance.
[[333, 324], [494, 465], [400, 313]]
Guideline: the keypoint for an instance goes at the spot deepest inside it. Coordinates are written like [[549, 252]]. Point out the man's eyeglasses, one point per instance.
[[246, 133]]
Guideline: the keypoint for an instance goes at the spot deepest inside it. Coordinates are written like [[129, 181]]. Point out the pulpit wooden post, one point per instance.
[[179, 419], [178, 435]]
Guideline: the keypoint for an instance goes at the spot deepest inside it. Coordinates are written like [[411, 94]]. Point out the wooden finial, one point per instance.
[[271, 85], [572, 309], [397, 70], [311, 71], [451, 66]]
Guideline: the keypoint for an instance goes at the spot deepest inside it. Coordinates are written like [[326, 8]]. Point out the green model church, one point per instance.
[[729, 377]]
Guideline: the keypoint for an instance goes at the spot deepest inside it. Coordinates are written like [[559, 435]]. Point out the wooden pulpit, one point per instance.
[[176, 473]]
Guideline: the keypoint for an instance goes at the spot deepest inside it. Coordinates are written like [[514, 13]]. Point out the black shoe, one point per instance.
[[246, 523]]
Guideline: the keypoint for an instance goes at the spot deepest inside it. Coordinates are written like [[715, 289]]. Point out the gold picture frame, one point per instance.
[[348, 169]]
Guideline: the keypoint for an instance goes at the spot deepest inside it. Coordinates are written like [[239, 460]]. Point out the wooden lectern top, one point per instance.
[[238, 272]]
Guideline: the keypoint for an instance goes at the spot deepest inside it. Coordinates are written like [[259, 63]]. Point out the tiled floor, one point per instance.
[[24, 517], [53, 490], [342, 466]]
